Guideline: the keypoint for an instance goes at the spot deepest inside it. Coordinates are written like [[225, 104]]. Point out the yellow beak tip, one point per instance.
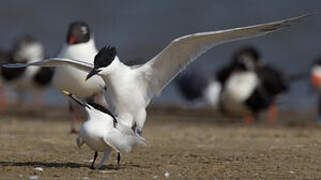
[[85, 80], [66, 92]]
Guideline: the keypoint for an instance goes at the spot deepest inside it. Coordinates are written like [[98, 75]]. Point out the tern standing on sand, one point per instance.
[[103, 133]]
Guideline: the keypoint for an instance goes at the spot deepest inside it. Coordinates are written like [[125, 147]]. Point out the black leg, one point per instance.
[[139, 132], [71, 108], [71, 111], [95, 157], [118, 159]]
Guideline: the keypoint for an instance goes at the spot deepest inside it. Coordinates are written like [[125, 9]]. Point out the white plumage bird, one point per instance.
[[103, 133], [130, 89]]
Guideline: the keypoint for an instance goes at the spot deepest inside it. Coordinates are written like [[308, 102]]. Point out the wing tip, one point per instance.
[[298, 18], [18, 65], [274, 26]]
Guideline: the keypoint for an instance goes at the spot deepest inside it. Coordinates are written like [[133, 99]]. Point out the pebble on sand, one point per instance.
[[33, 177], [166, 174], [39, 169]]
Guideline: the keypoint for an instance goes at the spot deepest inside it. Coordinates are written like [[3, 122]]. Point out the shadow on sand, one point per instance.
[[44, 164], [62, 165]]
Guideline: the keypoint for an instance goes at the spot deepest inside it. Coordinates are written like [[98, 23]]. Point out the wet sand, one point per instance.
[[188, 144]]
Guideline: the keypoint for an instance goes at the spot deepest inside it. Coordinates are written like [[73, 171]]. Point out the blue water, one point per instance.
[[140, 29]]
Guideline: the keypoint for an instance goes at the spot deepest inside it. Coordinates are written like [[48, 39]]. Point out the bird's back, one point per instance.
[[272, 80]]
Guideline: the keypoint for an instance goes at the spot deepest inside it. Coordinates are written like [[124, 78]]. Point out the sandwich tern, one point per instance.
[[102, 132]]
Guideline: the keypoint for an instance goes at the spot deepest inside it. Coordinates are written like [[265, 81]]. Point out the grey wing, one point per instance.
[[161, 69], [54, 62]]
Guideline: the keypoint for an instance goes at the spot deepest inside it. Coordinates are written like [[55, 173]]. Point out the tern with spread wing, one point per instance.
[[131, 88]]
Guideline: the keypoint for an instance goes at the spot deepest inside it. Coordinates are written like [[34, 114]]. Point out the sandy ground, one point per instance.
[[193, 144]]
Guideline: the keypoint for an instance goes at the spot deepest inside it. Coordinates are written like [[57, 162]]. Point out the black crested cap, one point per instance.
[[78, 32], [105, 56]]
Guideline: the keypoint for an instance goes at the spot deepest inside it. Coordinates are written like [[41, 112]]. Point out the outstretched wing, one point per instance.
[[160, 70], [54, 62]]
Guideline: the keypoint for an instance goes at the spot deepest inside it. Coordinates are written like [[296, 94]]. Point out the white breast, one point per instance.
[[93, 133], [237, 89], [125, 94], [72, 79], [212, 93]]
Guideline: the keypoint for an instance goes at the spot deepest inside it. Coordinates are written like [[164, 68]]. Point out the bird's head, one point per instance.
[[102, 61], [26, 49], [247, 58], [78, 32]]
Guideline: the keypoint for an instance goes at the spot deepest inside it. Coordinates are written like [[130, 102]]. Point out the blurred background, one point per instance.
[[140, 29]]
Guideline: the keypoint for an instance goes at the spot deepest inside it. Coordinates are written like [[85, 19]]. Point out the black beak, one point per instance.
[[92, 72], [80, 102]]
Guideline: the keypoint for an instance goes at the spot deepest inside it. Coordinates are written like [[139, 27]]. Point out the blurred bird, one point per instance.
[[102, 132], [250, 86], [243, 88], [32, 79], [199, 89], [130, 89], [316, 84], [79, 45]]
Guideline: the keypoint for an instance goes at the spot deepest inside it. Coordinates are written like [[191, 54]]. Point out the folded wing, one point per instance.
[[123, 140], [160, 70]]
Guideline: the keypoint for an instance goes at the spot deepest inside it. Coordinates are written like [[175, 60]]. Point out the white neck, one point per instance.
[[116, 68]]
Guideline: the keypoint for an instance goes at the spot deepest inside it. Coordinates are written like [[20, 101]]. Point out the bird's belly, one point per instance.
[[93, 135], [25, 82], [126, 96], [237, 90], [72, 80], [235, 108], [96, 144]]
